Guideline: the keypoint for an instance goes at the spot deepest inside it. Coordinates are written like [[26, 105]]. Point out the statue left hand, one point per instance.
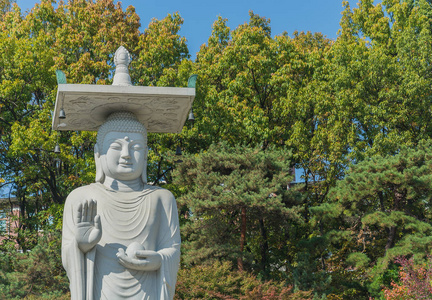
[[146, 260]]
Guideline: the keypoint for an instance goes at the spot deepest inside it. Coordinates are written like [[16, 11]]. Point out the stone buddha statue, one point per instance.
[[121, 237]]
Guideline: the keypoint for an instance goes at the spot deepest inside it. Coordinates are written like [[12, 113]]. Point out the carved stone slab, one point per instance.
[[160, 109]]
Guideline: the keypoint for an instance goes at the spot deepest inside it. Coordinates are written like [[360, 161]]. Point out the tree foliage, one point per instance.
[[37, 272], [219, 281], [415, 280], [352, 114], [236, 201], [381, 209]]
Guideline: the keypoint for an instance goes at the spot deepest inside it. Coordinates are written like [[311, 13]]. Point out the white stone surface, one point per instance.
[[160, 109], [121, 237], [122, 59]]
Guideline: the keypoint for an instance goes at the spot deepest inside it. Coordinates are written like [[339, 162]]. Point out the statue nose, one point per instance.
[[125, 152]]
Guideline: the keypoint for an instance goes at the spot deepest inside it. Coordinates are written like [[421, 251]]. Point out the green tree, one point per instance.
[[238, 206], [244, 75], [159, 53], [259, 90], [5, 6], [381, 209], [37, 272], [376, 98], [381, 75], [219, 281]]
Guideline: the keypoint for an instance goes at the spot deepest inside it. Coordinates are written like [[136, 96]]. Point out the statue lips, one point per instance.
[[126, 164]]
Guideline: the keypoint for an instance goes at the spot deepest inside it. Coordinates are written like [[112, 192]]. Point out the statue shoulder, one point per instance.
[[163, 195], [84, 192]]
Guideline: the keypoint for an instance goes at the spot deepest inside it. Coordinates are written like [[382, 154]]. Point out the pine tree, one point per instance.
[[238, 206], [381, 209]]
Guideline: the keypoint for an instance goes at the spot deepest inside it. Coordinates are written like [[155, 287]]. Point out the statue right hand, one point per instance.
[[88, 230]]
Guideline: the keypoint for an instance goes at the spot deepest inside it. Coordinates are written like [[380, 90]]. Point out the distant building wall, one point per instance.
[[9, 213]]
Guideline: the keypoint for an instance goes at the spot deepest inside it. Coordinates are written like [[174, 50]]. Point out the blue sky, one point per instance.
[[285, 15]]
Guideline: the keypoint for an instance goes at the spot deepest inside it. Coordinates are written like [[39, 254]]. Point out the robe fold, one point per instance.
[[148, 217]]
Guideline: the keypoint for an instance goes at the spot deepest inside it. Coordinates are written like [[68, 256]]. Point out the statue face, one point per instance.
[[123, 155], [123, 58]]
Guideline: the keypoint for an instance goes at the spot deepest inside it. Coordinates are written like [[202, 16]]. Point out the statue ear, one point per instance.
[[100, 176], [144, 173]]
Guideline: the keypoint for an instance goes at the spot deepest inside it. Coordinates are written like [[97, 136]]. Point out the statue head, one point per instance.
[[122, 57], [121, 148]]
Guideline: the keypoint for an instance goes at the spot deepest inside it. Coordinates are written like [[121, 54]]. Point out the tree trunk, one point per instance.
[[264, 247], [242, 239], [391, 238], [399, 199]]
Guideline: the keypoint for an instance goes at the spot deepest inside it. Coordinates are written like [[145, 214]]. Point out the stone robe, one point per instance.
[[148, 217]]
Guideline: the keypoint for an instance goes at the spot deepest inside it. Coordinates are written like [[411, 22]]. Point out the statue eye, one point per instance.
[[137, 147], [115, 146]]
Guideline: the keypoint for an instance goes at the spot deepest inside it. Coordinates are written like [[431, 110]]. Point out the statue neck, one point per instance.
[[135, 185]]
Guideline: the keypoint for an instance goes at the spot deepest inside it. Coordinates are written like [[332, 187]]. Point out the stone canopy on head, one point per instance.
[[120, 122], [85, 107]]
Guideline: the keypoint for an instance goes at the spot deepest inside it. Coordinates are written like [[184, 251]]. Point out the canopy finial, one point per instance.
[[122, 59]]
